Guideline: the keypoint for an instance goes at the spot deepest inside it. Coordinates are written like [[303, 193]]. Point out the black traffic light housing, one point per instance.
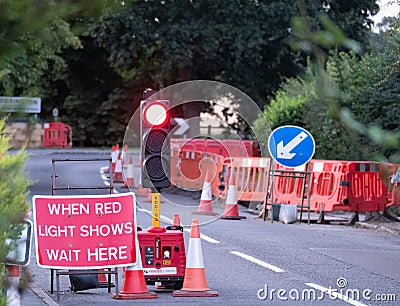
[[155, 146]]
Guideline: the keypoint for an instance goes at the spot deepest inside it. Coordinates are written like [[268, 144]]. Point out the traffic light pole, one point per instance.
[[155, 208]]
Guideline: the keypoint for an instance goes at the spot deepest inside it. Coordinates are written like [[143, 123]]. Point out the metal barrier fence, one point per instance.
[[355, 186]]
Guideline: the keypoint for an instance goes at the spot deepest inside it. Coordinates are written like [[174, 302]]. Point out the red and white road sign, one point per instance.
[[77, 232]]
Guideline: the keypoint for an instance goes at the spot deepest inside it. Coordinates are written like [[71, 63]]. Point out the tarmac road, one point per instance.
[[249, 262]]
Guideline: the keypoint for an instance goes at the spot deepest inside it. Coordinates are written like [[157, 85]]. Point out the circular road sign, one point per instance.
[[291, 146]]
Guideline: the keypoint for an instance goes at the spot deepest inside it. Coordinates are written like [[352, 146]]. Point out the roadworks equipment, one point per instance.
[[231, 206], [134, 286], [205, 206], [195, 283]]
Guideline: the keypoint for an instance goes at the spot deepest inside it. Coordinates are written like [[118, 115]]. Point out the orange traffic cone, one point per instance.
[[118, 172], [102, 280], [129, 178], [134, 286], [114, 157], [176, 223], [194, 283], [205, 206], [13, 294], [150, 198], [123, 152], [143, 192], [231, 207]]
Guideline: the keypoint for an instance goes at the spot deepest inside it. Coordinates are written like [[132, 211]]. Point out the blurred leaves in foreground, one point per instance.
[[348, 99], [14, 185]]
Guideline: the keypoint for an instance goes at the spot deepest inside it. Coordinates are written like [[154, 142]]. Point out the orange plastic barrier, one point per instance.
[[251, 176], [188, 168], [196, 144], [329, 187], [235, 148], [225, 148], [185, 170], [57, 135], [287, 186], [356, 186], [253, 148], [216, 147], [335, 185], [367, 190]]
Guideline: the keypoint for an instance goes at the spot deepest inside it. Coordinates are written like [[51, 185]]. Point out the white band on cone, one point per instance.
[[138, 265], [129, 171], [194, 258], [13, 296], [231, 197], [114, 155], [118, 167], [206, 193]]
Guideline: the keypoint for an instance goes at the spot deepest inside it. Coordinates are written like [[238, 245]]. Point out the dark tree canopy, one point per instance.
[[97, 81], [242, 43]]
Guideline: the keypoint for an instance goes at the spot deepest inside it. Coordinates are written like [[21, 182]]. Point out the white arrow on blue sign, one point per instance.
[[291, 146]]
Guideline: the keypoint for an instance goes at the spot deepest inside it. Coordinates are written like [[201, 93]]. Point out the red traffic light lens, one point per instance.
[[156, 114]]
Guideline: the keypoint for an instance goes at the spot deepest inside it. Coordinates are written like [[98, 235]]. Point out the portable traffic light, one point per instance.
[[155, 126]]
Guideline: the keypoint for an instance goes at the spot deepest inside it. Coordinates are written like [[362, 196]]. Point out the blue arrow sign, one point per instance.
[[291, 146]]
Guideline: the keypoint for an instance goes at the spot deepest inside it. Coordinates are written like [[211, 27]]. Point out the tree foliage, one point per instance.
[[36, 67], [351, 107], [242, 43], [39, 54], [96, 82], [13, 193]]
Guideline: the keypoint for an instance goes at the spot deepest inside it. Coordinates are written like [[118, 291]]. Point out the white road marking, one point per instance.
[[103, 176], [165, 219], [105, 180], [335, 294], [257, 261], [204, 237]]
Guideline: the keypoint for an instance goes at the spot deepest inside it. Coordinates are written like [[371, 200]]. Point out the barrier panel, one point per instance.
[[236, 148], [330, 185], [185, 173], [251, 176], [329, 190], [252, 148], [355, 186], [196, 144], [188, 169], [217, 147], [225, 148], [288, 186], [367, 192], [57, 135], [335, 185]]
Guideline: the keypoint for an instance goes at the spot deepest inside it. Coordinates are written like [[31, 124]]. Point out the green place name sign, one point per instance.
[[20, 105]]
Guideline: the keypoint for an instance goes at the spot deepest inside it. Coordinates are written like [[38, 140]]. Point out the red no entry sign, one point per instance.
[[77, 232]]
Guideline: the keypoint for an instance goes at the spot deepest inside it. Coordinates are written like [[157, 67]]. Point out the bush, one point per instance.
[[13, 192]]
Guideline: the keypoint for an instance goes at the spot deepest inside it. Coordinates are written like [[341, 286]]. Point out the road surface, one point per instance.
[[249, 262]]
